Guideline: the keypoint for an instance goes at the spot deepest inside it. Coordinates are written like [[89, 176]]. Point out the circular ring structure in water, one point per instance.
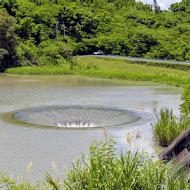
[[78, 117]]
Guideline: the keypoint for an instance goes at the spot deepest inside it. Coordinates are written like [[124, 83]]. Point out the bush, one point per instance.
[[27, 53], [46, 53]]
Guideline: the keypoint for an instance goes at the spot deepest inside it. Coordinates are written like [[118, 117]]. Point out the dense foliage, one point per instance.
[[122, 27], [7, 41]]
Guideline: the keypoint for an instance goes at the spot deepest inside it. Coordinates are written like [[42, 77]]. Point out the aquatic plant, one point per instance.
[[104, 169], [168, 126]]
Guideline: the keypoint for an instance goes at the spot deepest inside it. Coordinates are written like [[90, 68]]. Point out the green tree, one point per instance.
[[7, 41], [182, 6]]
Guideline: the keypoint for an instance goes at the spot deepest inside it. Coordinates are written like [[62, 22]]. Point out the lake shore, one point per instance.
[[110, 68]]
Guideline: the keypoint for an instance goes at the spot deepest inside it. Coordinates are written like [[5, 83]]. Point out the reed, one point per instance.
[[168, 126], [104, 169]]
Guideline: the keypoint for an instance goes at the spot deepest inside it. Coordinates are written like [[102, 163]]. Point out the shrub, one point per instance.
[[27, 53], [46, 53]]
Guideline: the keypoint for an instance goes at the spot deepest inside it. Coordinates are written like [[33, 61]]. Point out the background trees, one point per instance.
[[7, 41], [122, 27]]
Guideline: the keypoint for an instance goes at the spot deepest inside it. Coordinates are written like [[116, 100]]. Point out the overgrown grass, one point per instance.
[[168, 126], [105, 170], [111, 68]]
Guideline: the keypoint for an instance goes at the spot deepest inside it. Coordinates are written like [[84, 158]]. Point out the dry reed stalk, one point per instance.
[[54, 166], [129, 137], [29, 167]]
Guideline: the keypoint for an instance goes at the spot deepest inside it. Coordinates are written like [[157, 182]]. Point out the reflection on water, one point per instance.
[[66, 80], [21, 145]]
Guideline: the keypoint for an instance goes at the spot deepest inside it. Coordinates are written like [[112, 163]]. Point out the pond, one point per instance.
[[52, 120]]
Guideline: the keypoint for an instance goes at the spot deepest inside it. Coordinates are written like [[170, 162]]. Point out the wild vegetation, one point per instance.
[[50, 32], [104, 169], [7, 41], [168, 126], [42, 36], [111, 68], [128, 171]]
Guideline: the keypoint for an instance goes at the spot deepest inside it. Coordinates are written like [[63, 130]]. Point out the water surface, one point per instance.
[[21, 144]]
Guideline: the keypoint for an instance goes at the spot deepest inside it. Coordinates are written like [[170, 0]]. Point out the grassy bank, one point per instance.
[[104, 169], [162, 64], [168, 127], [111, 68]]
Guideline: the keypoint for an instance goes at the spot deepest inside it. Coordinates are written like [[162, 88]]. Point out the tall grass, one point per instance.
[[105, 170], [168, 126]]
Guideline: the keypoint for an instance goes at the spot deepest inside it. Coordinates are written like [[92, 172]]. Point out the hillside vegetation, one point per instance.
[[28, 33]]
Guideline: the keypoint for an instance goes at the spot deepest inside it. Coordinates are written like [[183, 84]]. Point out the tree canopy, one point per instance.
[[7, 40], [121, 27]]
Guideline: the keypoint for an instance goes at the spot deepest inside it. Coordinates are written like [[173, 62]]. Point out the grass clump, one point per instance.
[[168, 126], [104, 169]]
